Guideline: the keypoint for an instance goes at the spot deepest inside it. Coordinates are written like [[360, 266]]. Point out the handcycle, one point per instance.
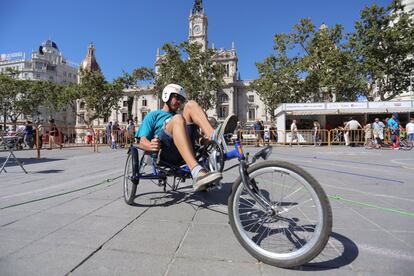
[[279, 213]]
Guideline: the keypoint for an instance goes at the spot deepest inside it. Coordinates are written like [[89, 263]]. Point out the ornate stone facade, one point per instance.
[[235, 97], [48, 64]]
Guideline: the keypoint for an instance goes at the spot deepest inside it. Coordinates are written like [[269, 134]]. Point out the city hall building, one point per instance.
[[235, 97]]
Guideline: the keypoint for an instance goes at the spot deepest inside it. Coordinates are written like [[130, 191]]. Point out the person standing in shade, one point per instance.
[[54, 135], [28, 138], [315, 133], [273, 133], [256, 128], [378, 131], [108, 132], [353, 126], [294, 133], [367, 132], [409, 128], [392, 124], [131, 131]]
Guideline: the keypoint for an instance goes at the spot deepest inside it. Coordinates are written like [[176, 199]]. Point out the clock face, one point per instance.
[[196, 29]]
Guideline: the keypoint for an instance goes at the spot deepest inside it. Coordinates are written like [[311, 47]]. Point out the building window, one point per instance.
[[125, 103], [124, 117], [37, 76], [65, 74], [251, 98], [223, 112], [223, 98], [82, 105], [80, 118], [144, 102], [105, 119], [143, 114], [252, 114], [51, 78], [227, 70]]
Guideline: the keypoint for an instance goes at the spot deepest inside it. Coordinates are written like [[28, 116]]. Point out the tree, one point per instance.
[[99, 96], [21, 97], [199, 74], [309, 64], [127, 81], [383, 44]]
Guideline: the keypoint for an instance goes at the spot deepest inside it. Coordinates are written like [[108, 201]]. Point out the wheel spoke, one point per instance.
[[294, 225]]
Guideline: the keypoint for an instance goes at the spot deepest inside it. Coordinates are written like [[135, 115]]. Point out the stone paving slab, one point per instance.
[[69, 215]]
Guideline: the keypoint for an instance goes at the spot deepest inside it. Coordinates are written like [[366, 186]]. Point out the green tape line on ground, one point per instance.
[[354, 202], [65, 193]]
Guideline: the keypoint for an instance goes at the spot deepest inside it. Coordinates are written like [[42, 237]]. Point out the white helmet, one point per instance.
[[171, 89]]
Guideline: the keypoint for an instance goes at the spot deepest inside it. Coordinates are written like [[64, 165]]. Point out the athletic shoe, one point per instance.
[[204, 179]]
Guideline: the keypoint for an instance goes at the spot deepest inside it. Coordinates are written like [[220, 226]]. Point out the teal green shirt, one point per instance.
[[152, 124]]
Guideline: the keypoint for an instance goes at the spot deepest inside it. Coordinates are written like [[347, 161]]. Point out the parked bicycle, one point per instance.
[[279, 213], [403, 144]]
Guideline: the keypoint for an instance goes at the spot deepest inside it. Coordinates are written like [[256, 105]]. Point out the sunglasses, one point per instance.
[[178, 97]]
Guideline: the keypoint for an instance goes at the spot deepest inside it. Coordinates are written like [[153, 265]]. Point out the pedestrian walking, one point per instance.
[[54, 135], [294, 133], [315, 133], [409, 128]]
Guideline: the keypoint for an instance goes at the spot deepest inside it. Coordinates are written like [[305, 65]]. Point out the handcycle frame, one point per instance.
[[265, 208], [161, 169]]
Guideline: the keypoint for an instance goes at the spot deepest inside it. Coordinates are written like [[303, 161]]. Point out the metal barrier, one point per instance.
[[67, 136]]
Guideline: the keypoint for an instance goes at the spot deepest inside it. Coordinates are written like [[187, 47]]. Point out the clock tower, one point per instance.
[[198, 25]]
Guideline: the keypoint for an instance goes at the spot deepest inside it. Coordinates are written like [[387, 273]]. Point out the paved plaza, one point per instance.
[[68, 216]]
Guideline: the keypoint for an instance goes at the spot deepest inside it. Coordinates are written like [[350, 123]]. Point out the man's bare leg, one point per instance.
[[177, 126], [193, 113]]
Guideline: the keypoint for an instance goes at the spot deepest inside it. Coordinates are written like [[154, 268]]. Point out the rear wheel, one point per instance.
[[295, 226], [131, 176]]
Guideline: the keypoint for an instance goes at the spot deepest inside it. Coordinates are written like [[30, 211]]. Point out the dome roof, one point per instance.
[[50, 43], [90, 63]]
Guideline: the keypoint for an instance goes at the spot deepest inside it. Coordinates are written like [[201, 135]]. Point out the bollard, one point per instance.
[[37, 143]]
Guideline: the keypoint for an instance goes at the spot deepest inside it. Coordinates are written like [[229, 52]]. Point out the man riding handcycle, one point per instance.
[[178, 132]]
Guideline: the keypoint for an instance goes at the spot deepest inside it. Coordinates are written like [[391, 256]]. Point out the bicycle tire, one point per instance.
[[405, 145], [250, 234], [131, 174]]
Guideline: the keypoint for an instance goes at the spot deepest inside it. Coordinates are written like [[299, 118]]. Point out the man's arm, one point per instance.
[[147, 145]]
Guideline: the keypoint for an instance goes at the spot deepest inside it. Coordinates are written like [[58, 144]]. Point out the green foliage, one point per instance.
[[383, 45], [99, 96], [312, 64], [198, 73], [21, 97]]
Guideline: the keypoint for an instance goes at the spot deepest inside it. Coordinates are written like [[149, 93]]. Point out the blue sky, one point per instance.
[[126, 33]]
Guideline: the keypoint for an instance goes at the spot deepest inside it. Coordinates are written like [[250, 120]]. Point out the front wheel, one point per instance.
[[295, 226]]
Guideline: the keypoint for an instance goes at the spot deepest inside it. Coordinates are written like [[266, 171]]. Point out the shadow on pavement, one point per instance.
[[182, 194], [27, 161], [340, 251], [49, 171]]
